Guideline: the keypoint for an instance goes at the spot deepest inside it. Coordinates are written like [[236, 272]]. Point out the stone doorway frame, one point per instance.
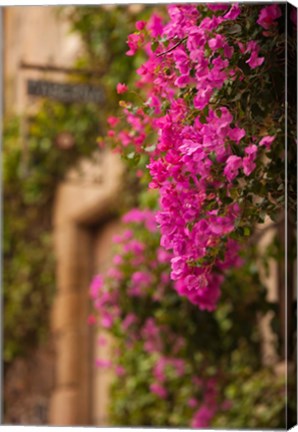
[[80, 205]]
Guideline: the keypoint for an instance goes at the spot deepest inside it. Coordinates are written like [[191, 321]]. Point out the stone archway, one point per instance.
[[87, 199]]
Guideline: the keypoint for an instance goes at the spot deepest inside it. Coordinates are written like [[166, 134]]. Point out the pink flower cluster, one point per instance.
[[193, 157], [268, 16], [102, 290], [209, 407], [157, 340], [105, 301], [160, 376]]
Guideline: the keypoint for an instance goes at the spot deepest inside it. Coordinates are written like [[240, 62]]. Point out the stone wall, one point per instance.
[[38, 35], [74, 392], [28, 388], [81, 248], [32, 34]]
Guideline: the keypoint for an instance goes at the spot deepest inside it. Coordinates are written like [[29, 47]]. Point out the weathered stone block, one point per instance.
[[66, 311], [64, 408], [68, 359]]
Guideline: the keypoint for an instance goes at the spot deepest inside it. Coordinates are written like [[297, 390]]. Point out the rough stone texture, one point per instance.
[[28, 386], [71, 250], [64, 407], [68, 358], [65, 311]]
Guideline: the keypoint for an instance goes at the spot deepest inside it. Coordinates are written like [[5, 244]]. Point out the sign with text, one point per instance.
[[65, 92]]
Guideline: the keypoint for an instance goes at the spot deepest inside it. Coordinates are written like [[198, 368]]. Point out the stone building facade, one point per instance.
[[60, 385], [84, 224], [33, 35]]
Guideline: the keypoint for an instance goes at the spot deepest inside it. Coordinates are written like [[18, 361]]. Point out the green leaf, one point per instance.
[[246, 231], [154, 46]]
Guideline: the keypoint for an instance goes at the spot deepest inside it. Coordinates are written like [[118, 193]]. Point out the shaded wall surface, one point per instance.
[[34, 35], [83, 230], [54, 385]]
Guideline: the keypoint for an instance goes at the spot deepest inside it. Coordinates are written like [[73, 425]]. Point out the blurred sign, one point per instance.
[[65, 92]]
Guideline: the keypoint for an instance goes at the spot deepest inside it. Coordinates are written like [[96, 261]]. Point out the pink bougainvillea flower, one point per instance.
[[134, 41], [128, 234], [216, 42], [255, 61], [107, 320], [233, 13], [182, 81], [159, 369], [91, 320], [120, 371], [182, 62], [203, 417], [268, 15], [248, 161], [179, 365], [115, 273], [248, 165], [134, 246], [236, 134], [155, 25], [192, 402], [140, 25], [141, 278], [251, 150], [181, 160], [159, 390], [146, 217], [117, 259], [103, 363], [121, 88], [113, 121], [267, 141], [128, 321], [233, 164], [96, 285], [217, 6]]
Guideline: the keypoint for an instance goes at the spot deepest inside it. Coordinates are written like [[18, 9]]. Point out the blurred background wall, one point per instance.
[[34, 35], [57, 382]]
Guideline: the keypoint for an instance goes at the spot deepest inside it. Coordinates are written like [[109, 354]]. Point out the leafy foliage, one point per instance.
[[30, 177], [209, 125], [212, 130], [33, 168], [174, 362]]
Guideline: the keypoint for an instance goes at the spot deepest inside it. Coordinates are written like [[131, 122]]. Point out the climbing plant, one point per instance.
[[30, 178], [183, 299], [174, 365], [57, 136]]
